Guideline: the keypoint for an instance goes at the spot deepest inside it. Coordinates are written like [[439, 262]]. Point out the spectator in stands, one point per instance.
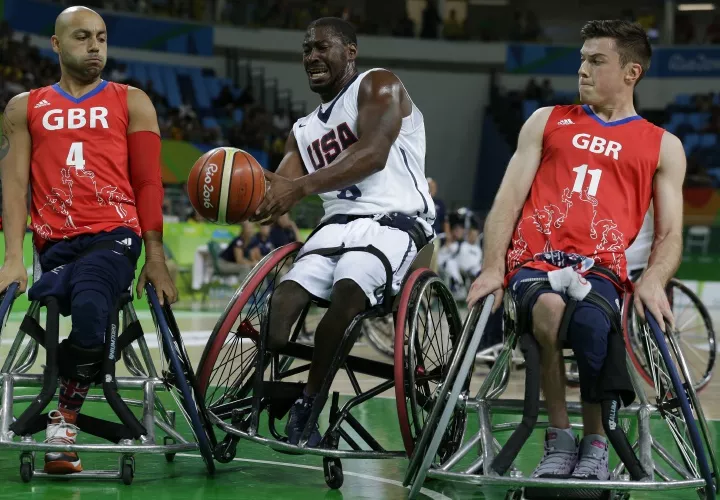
[[532, 90], [405, 27], [259, 245], [430, 20], [546, 92], [234, 258], [696, 174], [224, 98], [712, 33], [453, 30], [119, 73], [684, 29], [284, 231], [441, 225]]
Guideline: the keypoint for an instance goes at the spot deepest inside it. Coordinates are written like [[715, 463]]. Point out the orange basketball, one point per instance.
[[226, 185]]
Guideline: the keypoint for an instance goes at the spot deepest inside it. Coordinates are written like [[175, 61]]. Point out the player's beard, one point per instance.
[[79, 69]]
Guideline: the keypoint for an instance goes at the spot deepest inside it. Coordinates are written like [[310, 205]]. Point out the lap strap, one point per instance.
[[403, 222]]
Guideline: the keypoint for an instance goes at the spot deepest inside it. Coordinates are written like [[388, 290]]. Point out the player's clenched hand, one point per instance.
[[156, 272], [488, 282], [11, 272], [650, 292], [281, 195]]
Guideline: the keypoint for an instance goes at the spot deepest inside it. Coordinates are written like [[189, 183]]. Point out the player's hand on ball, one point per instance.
[[156, 272], [650, 292], [488, 282], [12, 272], [281, 195]]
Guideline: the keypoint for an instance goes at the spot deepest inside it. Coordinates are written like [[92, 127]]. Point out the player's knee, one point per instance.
[[286, 303], [546, 318], [588, 333], [89, 310], [347, 299]]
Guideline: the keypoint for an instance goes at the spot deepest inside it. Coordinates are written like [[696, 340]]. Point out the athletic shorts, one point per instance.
[[318, 274], [600, 353]]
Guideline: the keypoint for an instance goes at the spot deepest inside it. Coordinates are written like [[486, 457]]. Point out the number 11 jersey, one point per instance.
[[591, 190], [79, 171]]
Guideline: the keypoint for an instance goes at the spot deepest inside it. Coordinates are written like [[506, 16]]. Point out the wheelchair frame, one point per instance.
[[698, 476], [144, 375], [276, 397]]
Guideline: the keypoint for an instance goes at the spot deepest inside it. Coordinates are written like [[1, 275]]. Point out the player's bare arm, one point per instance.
[[506, 208], [382, 103], [667, 243], [144, 150], [15, 148]]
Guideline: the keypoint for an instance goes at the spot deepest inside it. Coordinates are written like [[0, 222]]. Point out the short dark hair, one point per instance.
[[631, 40], [343, 29]]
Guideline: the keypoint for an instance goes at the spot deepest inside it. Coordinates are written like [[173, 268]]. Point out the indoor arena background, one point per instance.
[[229, 73]]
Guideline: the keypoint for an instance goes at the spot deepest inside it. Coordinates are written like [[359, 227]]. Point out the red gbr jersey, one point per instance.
[[591, 191], [79, 169]]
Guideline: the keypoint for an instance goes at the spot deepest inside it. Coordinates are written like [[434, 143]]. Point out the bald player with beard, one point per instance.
[[90, 150]]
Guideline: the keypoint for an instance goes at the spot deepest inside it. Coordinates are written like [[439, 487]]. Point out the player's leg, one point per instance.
[[359, 281], [589, 331], [547, 309], [96, 282]]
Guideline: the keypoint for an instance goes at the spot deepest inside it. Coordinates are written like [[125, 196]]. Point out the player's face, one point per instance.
[[601, 77], [325, 58], [83, 46]]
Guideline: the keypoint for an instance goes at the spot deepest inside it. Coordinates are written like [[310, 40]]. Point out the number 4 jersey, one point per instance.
[[79, 172], [400, 187], [591, 191]]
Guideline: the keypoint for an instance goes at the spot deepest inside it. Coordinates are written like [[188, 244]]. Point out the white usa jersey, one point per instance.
[[400, 187]]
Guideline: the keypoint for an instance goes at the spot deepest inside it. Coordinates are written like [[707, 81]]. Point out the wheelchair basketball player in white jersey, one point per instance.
[[363, 151], [638, 254]]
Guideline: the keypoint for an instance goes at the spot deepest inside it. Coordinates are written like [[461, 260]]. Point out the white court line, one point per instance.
[[428, 493]]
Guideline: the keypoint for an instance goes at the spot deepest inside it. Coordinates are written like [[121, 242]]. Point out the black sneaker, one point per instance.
[[299, 415]]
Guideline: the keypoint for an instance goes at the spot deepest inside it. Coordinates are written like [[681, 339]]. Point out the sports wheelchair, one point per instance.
[[132, 435], [241, 380], [651, 463]]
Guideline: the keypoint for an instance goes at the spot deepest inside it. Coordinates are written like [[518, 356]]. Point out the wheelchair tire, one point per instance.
[[181, 370], [415, 397], [635, 349], [668, 410], [380, 333], [249, 329]]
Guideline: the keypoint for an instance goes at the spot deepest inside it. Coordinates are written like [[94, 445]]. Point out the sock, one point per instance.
[[568, 431], [72, 394]]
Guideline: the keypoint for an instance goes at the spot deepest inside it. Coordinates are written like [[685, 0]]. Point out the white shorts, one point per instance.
[[318, 274]]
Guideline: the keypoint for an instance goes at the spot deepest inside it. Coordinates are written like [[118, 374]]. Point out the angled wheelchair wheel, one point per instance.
[[228, 361], [180, 378], [380, 333], [427, 331], [679, 408], [694, 333]]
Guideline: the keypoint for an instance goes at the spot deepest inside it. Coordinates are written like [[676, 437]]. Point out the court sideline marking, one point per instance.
[[428, 493]]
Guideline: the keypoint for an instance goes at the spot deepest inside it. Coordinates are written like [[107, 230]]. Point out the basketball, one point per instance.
[[226, 185]]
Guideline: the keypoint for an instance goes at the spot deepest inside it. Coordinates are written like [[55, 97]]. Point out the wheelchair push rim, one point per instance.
[[419, 380], [188, 399], [254, 291], [679, 293]]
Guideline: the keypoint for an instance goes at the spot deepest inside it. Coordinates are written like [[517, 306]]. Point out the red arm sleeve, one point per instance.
[[146, 179]]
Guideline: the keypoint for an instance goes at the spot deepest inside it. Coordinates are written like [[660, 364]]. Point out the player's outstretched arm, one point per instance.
[[667, 243], [146, 179], [507, 206], [15, 148]]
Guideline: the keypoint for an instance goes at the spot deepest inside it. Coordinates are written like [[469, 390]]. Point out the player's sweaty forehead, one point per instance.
[[75, 19], [319, 34]]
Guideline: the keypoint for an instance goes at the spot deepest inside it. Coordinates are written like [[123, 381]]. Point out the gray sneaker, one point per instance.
[[561, 455], [593, 462]]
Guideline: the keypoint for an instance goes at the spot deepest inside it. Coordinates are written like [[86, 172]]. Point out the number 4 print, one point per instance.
[[75, 156], [580, 179]]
